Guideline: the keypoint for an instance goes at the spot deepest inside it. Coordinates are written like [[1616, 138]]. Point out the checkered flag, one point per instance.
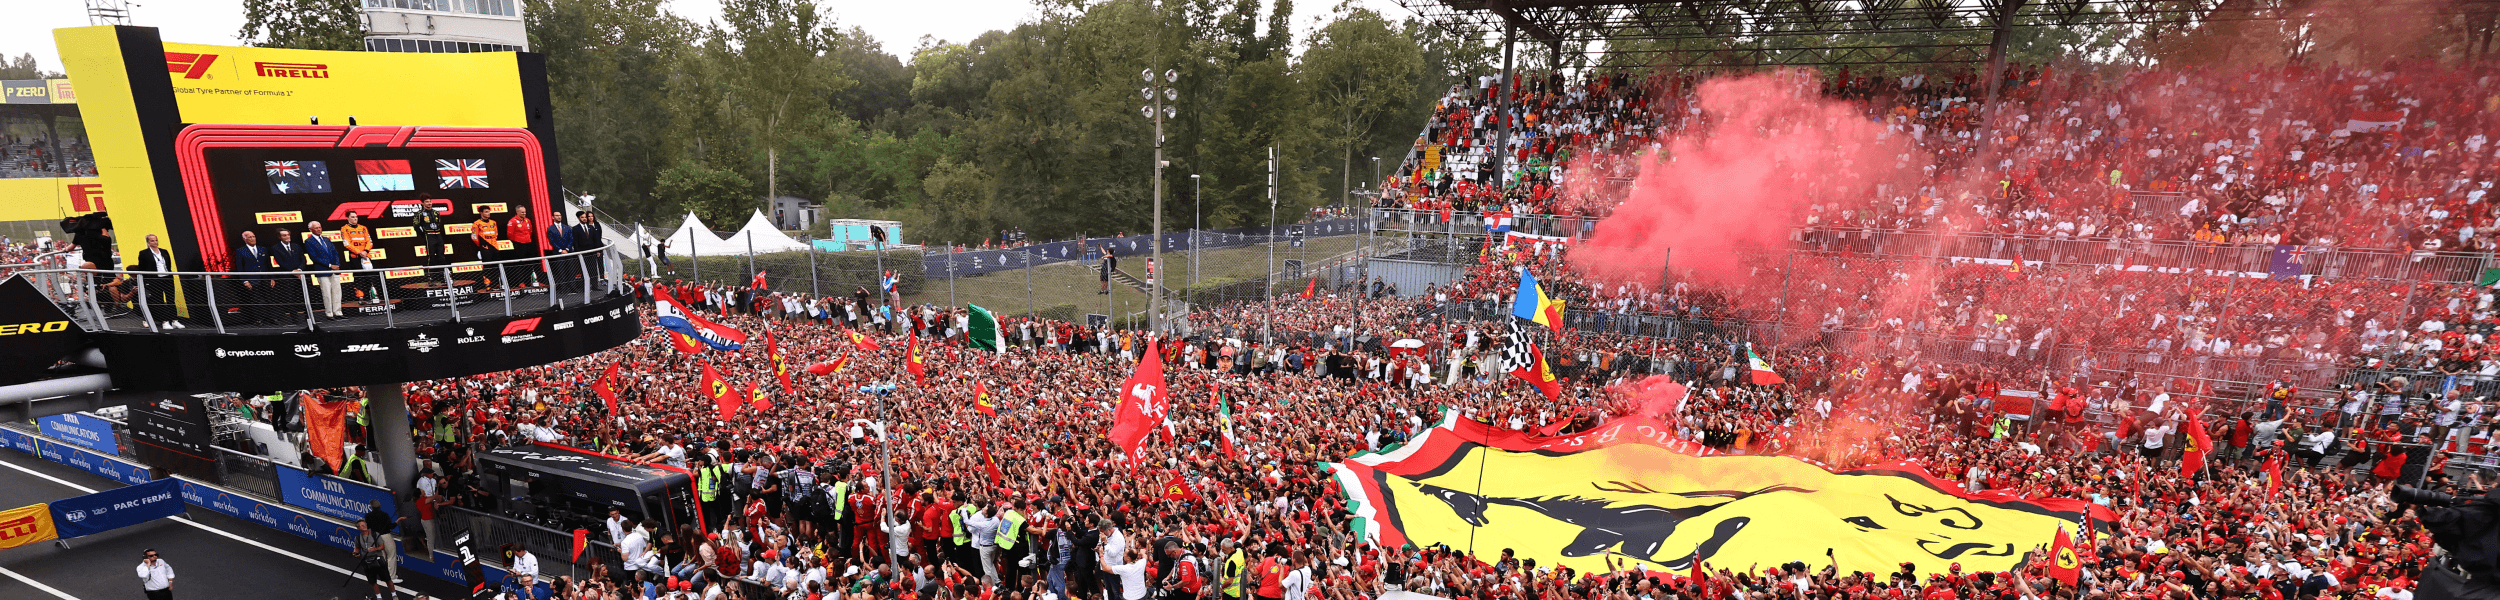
[[1519, 353]]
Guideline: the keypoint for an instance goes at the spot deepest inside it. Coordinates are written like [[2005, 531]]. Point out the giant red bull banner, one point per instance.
[[1629, 492]]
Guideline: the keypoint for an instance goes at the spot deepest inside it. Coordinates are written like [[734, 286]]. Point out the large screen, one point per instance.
[[263, 178]]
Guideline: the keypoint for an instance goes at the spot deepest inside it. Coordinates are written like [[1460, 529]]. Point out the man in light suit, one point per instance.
[[321, 258], [249, 292]]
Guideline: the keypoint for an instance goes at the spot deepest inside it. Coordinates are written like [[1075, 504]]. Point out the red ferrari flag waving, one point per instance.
[[1143, 402], [606, 387], [2063, 564], [781, 366], [721, 394], [981, 399], [915, 362]]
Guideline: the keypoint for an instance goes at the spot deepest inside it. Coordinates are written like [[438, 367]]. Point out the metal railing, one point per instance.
[[228, 302]]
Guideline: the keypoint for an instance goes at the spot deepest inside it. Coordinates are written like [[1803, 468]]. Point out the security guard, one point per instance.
[[1235, 566], [838, 514], [709, 481], [961, 551], [1010, 532]]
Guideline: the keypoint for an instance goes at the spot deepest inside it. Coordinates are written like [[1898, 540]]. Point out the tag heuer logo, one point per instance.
[[424, 343], [307, 350], [363, 348]]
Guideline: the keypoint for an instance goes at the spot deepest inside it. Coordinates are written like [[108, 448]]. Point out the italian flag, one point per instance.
[[1224, 423], [1762, 373], [984, 331]]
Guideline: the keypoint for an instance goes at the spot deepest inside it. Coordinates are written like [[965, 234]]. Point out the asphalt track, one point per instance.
[[213, 555]]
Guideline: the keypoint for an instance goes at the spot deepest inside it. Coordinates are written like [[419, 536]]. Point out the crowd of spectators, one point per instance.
[[1312, 380], [39, 157]]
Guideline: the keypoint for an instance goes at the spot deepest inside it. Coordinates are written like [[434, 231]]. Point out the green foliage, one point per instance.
[[1360, 69], [718, 196], [609, 61], [835, 273], [304, 24], [24, 67]]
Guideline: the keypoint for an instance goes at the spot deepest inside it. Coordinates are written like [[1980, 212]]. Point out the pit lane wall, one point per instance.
[[303, 523]]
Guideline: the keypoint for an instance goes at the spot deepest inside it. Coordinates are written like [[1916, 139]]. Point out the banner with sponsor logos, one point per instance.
[[331, 495], [80, 516], [30, 524], [367, 356], [86, 431], [136, 92], [37, 91], [439, 565], [34, 333], [81, 458]]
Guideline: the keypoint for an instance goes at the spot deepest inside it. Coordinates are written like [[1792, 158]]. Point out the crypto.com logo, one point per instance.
[[191, 66]]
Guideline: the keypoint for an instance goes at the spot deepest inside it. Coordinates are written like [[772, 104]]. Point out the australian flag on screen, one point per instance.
[[297, 176]]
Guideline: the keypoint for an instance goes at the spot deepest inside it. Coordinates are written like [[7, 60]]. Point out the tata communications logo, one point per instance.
[[191, 66], [291, 70]]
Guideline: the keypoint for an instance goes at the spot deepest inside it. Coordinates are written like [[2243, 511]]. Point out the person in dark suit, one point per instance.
[[159, 288], [559, 240], [248, 292], [588, 236], [286, 296]]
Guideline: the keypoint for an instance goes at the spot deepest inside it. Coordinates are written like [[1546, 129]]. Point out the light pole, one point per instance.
[[1197, 223], [1267, 326], [1157, 95]]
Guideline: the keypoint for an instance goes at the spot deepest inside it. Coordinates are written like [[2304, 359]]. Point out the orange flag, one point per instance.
[[325, 429]]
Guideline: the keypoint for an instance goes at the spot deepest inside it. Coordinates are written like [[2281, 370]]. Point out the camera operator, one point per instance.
[[369, 555], [2466, 525]]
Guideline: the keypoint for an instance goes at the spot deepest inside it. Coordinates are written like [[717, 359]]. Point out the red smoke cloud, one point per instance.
[[1739, 177]]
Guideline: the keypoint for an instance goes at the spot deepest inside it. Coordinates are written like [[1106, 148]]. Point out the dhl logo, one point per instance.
[[292, 70], [397, 209], [191, 66], [42, 327]]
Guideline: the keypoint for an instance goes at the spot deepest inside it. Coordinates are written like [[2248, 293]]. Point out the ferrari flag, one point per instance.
[[1630, 489]]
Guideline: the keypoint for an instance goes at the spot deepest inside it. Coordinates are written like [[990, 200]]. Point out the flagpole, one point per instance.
[[885, 472]]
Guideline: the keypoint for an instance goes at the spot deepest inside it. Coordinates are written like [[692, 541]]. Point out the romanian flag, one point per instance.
[[981, 399], [915, 362], [1761, 369], [1535, 305]]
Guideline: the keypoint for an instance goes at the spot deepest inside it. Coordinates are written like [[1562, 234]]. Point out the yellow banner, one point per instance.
[[49, 198], [229, 84], [396, 274], [385, 253], [468, 268], [456, 229], [273, 218], [393, 233], [30, 524], [487, 208]]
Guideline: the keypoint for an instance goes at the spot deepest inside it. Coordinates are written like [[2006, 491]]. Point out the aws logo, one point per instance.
[[23, 328], [191, 66]]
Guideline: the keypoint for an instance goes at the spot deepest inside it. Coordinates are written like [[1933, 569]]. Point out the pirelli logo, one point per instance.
[[272, 218], [25, 328], [191, 66], [292, 70], [393, 233], [396, 274]]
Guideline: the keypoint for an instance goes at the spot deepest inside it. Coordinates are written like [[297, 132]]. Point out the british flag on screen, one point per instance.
[[461, 173]]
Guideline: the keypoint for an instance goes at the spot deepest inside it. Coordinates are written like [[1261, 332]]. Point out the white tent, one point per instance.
[[765, 237], [692, 238]]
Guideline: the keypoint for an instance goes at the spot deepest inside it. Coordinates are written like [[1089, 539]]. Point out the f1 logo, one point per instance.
[[521, 326], [191, 66]]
